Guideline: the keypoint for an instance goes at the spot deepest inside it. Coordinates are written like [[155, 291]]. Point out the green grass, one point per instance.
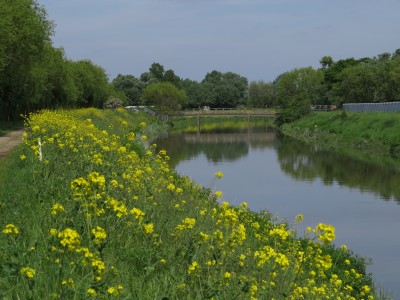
[[361, 133], [210, 123], [94, 210]]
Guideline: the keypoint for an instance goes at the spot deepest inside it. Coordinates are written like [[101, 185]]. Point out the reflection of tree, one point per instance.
[[305, 162], [215, 152], [217, 145]]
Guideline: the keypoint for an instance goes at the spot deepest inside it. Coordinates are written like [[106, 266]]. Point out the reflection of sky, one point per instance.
[[366, 224]]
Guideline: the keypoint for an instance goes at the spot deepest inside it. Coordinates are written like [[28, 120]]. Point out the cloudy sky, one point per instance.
[[258, 39]]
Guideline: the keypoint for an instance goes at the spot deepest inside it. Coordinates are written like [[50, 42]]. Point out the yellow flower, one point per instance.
[[227, 275], [218, 194], [193, 267], [69, 282], [148, 228], [170, 187], [99, 235], [137, 214], [10, 229], [28, 272], [56, 208], [299, 218], [325, 233], [163, 261], [142, 125], [219, 174], [22, 157], [91, 292], [69, 237]]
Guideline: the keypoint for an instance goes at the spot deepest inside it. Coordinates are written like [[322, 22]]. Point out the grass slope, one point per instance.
[[89, 208], [370, 133]]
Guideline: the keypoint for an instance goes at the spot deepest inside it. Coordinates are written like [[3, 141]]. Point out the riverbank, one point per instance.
[[104, 216], [361, 134]]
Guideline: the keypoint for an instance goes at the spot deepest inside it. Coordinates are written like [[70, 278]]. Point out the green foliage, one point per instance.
[[24, 34], [164, 96], [295, 91], [261, 94], [226, 89], [130, 86], [373, 133]]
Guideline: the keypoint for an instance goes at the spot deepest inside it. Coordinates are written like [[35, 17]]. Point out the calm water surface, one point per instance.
[[281, 175]]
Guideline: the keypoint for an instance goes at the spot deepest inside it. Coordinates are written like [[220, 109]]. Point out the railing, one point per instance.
[[323, 107], [372, 107]]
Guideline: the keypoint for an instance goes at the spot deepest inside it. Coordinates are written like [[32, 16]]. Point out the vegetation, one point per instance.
[[373, 133], [35, 75], [164, 96], [105, 217]]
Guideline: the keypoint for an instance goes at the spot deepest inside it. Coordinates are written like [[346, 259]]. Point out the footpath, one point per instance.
[[9, 141]]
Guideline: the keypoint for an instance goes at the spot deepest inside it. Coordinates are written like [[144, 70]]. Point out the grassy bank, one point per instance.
[[89, 208], [212, 123], [361, 133]]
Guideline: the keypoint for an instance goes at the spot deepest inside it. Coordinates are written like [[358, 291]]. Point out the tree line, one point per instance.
[[35, 75]]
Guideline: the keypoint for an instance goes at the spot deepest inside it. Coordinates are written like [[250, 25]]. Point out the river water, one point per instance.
[[286, 177]]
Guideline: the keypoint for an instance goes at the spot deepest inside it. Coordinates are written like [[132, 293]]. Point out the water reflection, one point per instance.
[[299, 161], [306, 163], [217, 145]]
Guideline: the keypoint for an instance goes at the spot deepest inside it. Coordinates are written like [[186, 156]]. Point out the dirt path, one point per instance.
[[9, 141]]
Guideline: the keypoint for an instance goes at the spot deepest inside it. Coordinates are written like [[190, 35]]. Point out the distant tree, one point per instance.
[[92, 84], [169, 76], [164, 96], [130, 86], [326, 61], [226, 89], [157, 70], [24, 33], [197, 93], [296, 90], [261, 94]]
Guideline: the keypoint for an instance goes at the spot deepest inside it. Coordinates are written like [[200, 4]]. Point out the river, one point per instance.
[[286, 177]]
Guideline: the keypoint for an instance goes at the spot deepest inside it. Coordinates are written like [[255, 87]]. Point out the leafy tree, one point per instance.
[[170, 76], [295, 92], [157, 70], [164, 96], [130, 86], [197, 93], [92, 84], [261, 94], [226, 89], [24, 33], [326, 61]]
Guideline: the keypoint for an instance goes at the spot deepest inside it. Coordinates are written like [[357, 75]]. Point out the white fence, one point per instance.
[[372, 107]]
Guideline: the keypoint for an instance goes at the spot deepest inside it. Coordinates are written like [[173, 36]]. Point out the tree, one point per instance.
[[130, 86], [165, 97], [226, 89], [92, 84], [296, 90], [24, 33], [197, 93], [261, 94], [326, 61], [157, 70], [170, 76]]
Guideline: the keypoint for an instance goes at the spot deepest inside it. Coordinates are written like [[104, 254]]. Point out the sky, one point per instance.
[[257, 39]]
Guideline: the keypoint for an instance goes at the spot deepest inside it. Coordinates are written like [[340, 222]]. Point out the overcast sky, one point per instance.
[[258, 39]]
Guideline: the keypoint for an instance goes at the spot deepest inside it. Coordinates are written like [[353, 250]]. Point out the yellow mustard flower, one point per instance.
[[10, 229], [28, 272]]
